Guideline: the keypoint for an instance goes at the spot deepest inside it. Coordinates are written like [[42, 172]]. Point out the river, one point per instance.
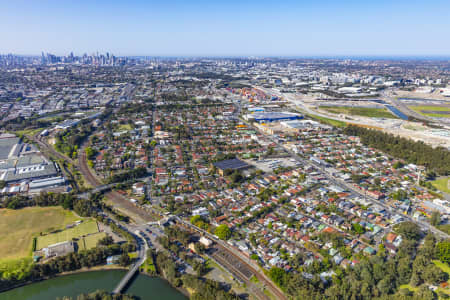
[[147, 288]]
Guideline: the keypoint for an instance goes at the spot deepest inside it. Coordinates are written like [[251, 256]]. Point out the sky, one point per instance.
[[227, 28]]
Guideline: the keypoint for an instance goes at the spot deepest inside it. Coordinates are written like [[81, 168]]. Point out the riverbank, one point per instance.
[[182, 290], [72, 285], [82, 270]]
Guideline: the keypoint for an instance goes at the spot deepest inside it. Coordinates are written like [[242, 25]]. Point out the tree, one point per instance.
[[124, 259], [433, 275], [2, 184], [435, 219], [223, 232], [277, 275], [415, 280], [195, 219], [104, 295], [404, 270], [443, 249], [400, 194], [398, 165], [409, 230], [385, 285], [236, 177], [106, 241], [435, 159], [424, 293], [199, 248], [90, 152], [200, 268], [356, 227]]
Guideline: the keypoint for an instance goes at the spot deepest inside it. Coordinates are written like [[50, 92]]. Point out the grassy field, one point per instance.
[[444, 267], [328, 121], [18, 227], [85, 228], [360, 111], [431, 110], [442, 184], [133, 255], [148, 266], [407, 286], [90, 241], [30, 132], [124, 127], [15, 267]]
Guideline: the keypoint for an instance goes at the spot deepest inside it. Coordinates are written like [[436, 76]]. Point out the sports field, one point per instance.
[[432, 110], [442, 184], [90, 241], [360, 111], [18, 227], [85, 228]]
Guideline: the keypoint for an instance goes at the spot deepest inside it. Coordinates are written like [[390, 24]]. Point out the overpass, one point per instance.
[[97, 189], [106, 187], [141, 259]]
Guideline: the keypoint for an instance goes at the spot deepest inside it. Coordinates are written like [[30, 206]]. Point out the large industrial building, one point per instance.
[[267, 117], [231, 164], [9, 146], [24, 169]]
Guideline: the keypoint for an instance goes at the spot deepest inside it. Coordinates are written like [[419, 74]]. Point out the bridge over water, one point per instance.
[[142, 257]]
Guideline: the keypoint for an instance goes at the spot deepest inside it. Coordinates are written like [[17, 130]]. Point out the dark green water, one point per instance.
[[147, 288]]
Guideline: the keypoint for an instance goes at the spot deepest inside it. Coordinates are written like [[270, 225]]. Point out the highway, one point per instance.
[[387, 96]]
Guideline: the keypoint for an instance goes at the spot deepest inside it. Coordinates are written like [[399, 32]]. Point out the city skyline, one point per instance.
[[246, 28]]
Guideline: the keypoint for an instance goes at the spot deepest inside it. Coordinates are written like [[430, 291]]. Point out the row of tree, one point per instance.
[[100, 295], [82, 207], [129, 175], [69, 140], [436, 159]]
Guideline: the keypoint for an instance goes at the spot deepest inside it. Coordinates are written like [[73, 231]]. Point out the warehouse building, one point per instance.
[[267, 117], [10, 146], [36, 186], [231, 164]]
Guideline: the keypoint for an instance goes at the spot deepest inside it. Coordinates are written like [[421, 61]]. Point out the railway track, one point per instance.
[[84, 169], [238, 274], [274, 289]]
